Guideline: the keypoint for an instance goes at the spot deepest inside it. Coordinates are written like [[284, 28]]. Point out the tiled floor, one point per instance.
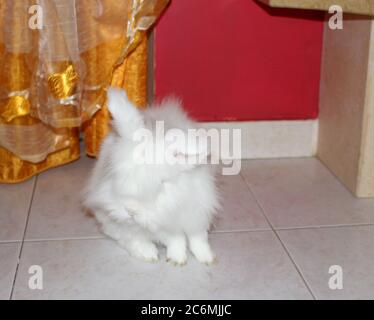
[[284, 223]]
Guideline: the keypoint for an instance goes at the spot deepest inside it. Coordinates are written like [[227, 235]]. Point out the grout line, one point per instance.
[[332, 226], [105, 237], [280, 240], [67, 239], [9, 241], [23, 237], [239, 231], [213, 232]]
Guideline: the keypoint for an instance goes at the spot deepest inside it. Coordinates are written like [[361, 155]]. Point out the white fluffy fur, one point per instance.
[[142, 204]]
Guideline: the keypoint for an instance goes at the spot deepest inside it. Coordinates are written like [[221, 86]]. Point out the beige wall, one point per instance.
[[365, 185], [346, 104], [353, 6]]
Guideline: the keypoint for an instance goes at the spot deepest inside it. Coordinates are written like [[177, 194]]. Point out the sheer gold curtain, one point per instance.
[[53, 79]]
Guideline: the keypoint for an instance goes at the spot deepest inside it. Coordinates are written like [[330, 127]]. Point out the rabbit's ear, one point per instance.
[[126, 117]]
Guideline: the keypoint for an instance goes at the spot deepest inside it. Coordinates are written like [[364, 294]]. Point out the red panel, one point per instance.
[[239, 60]]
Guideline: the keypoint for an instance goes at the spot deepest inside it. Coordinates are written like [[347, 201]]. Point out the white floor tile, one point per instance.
[[56, 210], [302, 192], [8, 263], [294, 193], [252, 265], [14, 205], [352, 248], [239, 208]]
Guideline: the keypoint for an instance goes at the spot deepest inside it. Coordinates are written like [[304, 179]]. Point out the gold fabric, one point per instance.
[[53, 80]]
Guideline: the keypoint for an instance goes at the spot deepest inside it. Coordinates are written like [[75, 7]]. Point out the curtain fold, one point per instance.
[[53, 80]]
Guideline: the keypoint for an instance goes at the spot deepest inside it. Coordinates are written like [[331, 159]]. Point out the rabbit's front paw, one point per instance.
[[176, 253], [144, 250], [201, 250]]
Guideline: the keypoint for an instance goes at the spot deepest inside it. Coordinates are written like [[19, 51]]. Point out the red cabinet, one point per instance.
[[239, 60]]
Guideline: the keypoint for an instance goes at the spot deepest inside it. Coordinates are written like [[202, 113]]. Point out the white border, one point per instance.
[[274, 139]]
